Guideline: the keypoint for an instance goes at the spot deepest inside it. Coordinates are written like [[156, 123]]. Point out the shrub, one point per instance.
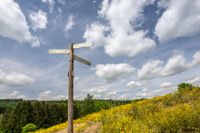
[[183, 86], [29, 128]]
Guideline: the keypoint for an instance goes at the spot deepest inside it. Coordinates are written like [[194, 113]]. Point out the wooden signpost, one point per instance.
[[72, 57]]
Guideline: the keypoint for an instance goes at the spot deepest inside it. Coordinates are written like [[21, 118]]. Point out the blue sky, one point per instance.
[[142, 48]]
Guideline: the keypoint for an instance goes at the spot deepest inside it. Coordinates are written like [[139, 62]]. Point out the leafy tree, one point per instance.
[[89, 97], [183, 86]]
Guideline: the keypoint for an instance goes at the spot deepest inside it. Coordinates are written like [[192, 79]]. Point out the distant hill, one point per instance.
[[178, 112]]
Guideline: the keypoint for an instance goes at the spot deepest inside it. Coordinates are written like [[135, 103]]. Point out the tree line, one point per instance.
[[15, 114]]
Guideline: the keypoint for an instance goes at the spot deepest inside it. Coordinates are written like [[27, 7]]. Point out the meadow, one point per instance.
[[178, 112]]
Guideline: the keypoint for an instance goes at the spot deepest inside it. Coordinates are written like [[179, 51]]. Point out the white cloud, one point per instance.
[[119, 36], [69, 24], [50, 4], [180, 19], [134, 84], [102, 91], [49, 95], [38, 20], [13, 24], [151, 69], [14, 79], [194, 81], [17, 95], [144, 93], [166, 85], [110, 72], [98, 89], [175, 64], [196, 59], [96, 33], [14, 94]]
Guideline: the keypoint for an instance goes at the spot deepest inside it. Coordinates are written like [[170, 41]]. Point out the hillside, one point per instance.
[[176, 112]]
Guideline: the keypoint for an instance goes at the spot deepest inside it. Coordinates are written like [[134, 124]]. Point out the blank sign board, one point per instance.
[[82, 45], [58, 51]]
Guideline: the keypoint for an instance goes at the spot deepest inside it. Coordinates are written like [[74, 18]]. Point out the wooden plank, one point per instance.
[[82, 45], [84, 61], [58, 51]]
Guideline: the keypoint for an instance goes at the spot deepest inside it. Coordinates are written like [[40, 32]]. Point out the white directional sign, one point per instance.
[[66, 51], [58, 51], [82, 45]]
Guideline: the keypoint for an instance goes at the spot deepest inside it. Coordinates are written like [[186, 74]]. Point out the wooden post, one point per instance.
[[70, 89], [72, 57]]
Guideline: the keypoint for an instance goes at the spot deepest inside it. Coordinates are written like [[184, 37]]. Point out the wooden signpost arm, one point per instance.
[[70, 89]]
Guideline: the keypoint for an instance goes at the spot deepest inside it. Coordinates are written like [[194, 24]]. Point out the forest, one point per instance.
[[17, 114]]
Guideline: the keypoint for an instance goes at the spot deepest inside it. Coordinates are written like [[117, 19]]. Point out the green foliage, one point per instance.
[[29, 128], [173, 113], [183, 86], [17, 113], [1, 130], [44, 114]]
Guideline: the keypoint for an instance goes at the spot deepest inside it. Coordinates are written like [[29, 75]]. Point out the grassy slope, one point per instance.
[[177, 112]]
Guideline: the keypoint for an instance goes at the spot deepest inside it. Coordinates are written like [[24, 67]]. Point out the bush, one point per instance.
[[29, 128], [183, 86]]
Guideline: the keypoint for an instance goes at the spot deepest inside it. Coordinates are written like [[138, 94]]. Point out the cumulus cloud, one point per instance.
[[49, 95], [134, 84], [196, 59], [103, 91], [38, 20], [17, 95], [69, 24], [175, 64], [144, 93], [13, 24], [14, 79], [151, 69], [98, 89], [119, 36], [166, 85], [180, 19], [111, 72], [96, 33], [194, 81]]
